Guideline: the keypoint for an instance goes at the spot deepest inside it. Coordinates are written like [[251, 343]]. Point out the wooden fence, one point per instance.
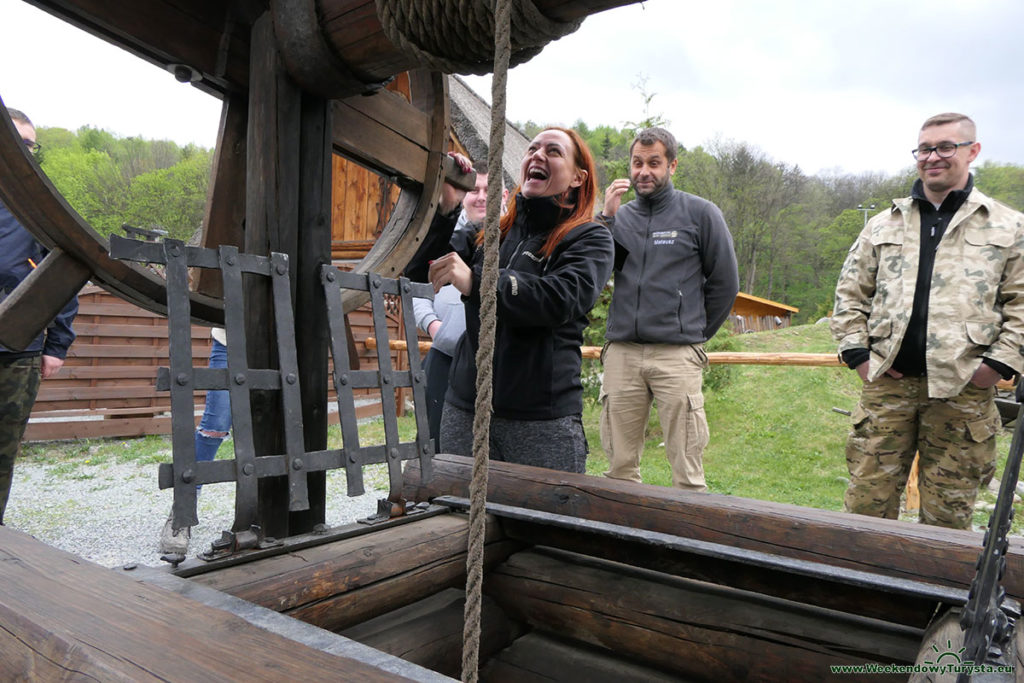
[[107, 387]]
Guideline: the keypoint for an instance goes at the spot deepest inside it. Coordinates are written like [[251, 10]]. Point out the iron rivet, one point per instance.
[[290, 378], [344, 380], [376, 283], [248, 468], [393, 454], [188, 476], [281, 269], [240, 378], [407, 287], [182, 379], [229, 259], [296, 464], [426, 449], [174, 250], [352, 459], [330, 276], [386, 379]]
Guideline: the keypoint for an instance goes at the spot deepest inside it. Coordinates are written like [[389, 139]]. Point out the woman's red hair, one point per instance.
[[579, 200]]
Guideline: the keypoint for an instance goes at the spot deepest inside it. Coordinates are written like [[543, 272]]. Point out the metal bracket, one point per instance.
[[388, 509], [231, 542]]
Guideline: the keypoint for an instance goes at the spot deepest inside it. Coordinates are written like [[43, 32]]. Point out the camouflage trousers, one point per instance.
[[19, 384], [954, 437]]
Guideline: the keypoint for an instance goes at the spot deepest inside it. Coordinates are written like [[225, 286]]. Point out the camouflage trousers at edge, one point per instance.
[[955, 437], [19, 384]]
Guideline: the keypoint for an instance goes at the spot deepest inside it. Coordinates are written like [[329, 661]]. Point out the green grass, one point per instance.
[[774, 433]]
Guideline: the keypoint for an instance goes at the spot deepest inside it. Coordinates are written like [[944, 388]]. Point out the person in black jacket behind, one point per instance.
[[553, 263]]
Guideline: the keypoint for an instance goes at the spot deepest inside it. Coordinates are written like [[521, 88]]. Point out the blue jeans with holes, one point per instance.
[[216, 414]]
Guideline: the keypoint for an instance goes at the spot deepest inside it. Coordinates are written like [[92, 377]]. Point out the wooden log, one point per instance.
[[888, 599], [688, 628], [337, 585], [890, 547], [429, 632], [67, 619], [536, 657]]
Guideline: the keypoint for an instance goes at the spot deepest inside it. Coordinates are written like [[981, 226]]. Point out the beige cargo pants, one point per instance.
[[671, 374]]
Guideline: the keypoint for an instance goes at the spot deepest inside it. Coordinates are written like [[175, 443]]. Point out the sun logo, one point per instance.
[[947, 653]]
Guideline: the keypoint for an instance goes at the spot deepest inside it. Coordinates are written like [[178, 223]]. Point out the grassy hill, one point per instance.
[[774, 433]]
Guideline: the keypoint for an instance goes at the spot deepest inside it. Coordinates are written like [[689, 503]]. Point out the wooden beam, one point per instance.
[[337, 585], [67, 618], [27, 311], [726, 634], [914, 551]]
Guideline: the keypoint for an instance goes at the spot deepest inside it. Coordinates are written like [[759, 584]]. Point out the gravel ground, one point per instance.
[[112, 514]]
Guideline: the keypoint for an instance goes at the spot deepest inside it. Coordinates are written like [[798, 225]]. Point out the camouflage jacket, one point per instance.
[[976, 302]]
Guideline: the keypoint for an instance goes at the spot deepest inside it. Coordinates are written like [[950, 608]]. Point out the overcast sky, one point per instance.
[[822, 84]]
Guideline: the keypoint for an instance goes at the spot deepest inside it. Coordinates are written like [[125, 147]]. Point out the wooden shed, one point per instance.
[[753, 314]]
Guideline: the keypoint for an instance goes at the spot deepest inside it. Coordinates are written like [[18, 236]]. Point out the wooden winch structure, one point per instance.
[[586, 578]]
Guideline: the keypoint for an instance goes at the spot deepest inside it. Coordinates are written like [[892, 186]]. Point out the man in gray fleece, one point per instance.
[[675, 282]]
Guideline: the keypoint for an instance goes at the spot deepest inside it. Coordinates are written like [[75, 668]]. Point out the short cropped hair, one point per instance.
[[18, 115], [648, 136], [952, 117]]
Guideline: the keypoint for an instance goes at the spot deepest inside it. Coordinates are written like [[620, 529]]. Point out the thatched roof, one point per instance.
[[471, 121]]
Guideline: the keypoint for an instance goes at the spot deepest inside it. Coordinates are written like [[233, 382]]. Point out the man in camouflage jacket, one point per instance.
[[929, 311]]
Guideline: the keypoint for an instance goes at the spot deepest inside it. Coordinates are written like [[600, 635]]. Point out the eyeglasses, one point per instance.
[[32, 145], [944, 149]]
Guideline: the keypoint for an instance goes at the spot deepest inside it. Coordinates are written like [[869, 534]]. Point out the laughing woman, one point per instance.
[[553, 263]]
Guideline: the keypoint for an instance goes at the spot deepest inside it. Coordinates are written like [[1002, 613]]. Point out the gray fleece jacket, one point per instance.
[[678, 277]]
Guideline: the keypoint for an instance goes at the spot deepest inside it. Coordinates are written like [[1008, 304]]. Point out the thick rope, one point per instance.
[[454, 36], [485, 351]]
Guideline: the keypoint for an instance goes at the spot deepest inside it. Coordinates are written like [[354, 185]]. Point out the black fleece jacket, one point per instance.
[[543, 304]]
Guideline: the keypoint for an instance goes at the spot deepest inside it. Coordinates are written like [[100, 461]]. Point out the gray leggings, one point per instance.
[[557, 444]]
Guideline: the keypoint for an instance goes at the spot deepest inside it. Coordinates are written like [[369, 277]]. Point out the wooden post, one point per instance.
[[271, 224], [311, 331]]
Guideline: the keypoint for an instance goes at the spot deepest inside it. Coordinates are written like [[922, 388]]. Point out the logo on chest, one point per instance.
[[660, 237]]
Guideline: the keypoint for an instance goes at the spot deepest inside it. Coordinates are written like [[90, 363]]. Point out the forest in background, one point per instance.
[[791, 230], [111, 181]]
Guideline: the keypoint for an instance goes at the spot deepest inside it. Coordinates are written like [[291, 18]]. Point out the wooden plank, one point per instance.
[[97, 429], [65, 618], [726, 634], [915, 551], [429, 632], [127, 351], [393, 153], [132, 332], [542, 659], [340, 584]]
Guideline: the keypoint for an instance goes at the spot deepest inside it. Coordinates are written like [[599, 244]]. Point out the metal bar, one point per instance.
[[389, 409], [332, 279], [291, 399], [246, 485], [182, 402], [850, 577], [215, 379], [987, 628], [424, 445]]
